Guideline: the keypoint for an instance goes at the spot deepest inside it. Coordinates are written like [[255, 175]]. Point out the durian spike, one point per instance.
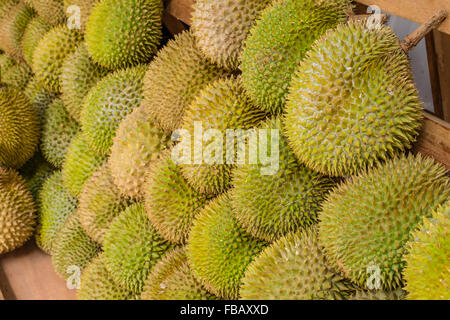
[[414, 38]]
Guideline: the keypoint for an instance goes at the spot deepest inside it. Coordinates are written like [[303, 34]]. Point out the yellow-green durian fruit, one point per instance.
[[398, 294], [427, 272], [17, 211], [172, 279], [219, 250], [52, 11], [350, 109], [294, 268], [39, 96], [34, 32], [366, 222], [221, 27], [173, 80], [15, 74]]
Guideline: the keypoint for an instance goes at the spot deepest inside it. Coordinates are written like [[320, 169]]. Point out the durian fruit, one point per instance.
[[58, 131], [171, 203], [219, 250], [132, 247], [34, 32], [55, 205], [173, 80], [7, 5], [427, 272], [73, 249], [39, 97], [294, 268], [85, 7], [79, 75], [97, 284], [100, 203], [80, 163], [279, 41], [221, 105], [221, 27], [350, 109], [108, 103], [137, 145], [172, 279], [52, 11], [17, 75], [19, 128], [398, 294], [366, 222], [269, 206], [50, 53], [17, 211], [36, 171], [124, 33]]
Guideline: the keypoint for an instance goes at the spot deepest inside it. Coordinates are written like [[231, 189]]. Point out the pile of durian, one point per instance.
[[92, 90]]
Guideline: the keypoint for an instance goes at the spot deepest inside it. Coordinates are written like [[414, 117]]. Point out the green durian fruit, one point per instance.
[[36, 171], [39, 97], [58, 131], [85, 8], [269, 205], [53, 48], [294, 268], [79, 75], [219, 250], [73, 249], [18, 75], [108, 103], [427, 272], [52, 11], [221, 27], [137, 145], [35, 30], [348, 110], [97, 284], [19, 128], [17, 211], [279, 41], [100, 203], [366, 222], [124, 33], [171, 203], [80, 163], [173, 80], [132, 247], [398, 294], [55, 205], [172, 279]]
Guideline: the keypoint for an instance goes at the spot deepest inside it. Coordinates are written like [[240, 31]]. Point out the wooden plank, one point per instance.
[[434, 75], [173, 24], [180, 9], [434, 140], [27, 274], [415, 10], [442, 49]]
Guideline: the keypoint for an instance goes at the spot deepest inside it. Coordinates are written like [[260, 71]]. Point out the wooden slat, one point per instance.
[[442, 49], [415, 10], [173, 24], [180, 9]]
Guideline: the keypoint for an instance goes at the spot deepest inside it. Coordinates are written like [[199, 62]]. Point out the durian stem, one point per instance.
[[414, 38], [359, 17]]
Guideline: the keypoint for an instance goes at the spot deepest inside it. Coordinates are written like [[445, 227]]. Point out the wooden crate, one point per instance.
[[27, 273]]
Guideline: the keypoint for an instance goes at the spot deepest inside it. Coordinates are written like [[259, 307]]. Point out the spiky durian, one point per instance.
[[366, 222], [171, 203], [16, 75], [79, 75], [221, 27], [172, 279], [132, 247], [17, 211], [294, 268], [108, 103], [97, 284], [39, 97], [36, 171], [19, 128], [34, 32], [398, 294], [100, 203], [55, 205], [73, 249], [124, 33], [52, 11], [71, 8], [7, 5], [269, 205], [279, 41], [221, 105], [80, 163], [58, 131], [348, 110], [173, 80], [427, 272], [49, 55], [219, 250], [137, 144]]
